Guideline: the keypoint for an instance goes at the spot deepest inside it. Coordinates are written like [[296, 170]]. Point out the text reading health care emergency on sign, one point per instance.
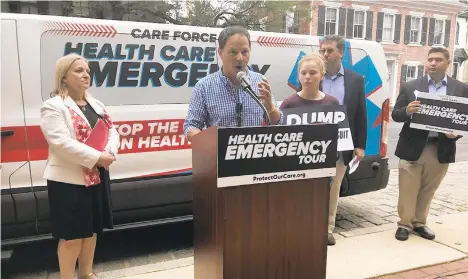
[[147, 136], [141, 65], [279, 145], [445, 112]]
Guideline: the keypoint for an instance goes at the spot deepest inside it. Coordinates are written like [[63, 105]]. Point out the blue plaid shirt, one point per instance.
[[214, 99]]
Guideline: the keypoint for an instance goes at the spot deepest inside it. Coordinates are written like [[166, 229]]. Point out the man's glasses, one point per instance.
[[328, 50]]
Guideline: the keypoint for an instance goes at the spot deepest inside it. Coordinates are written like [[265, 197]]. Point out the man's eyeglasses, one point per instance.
[[328, 50]]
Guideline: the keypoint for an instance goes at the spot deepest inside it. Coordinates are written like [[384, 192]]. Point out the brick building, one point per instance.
[[406, 29]]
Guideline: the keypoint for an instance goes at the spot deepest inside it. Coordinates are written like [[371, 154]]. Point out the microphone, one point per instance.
[[246, 86]]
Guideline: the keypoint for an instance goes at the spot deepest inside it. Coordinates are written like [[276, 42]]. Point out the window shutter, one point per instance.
[[321, 21], [397, 35], [369, 23], [424, 31], [342, 19], [380, 18], [407, 29], [431, 31], [349, 25], [420, 70], [404, 70], [448, 25]]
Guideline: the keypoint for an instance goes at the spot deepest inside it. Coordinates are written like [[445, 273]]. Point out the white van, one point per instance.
[[145, 73]]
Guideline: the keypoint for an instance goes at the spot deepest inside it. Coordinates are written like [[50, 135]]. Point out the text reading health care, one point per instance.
[[276, 145]]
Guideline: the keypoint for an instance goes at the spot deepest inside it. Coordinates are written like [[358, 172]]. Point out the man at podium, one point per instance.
[[219, 99]]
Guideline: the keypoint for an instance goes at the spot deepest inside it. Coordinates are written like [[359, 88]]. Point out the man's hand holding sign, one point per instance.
[[439, 113], [414, 106]]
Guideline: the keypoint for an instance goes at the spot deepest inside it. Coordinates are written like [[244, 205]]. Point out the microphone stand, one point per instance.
[[249, 90]]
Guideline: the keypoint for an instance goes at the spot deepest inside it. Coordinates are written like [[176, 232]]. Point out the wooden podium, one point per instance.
[[259, 231]]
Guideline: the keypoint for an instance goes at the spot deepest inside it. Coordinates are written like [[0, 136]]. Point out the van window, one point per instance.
[[130, 71], [278, 62]]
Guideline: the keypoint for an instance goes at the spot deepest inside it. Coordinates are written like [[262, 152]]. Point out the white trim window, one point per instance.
[[411, 72], [439, 32], [331, 21], [359, 24], [415, 30], [388, 28]]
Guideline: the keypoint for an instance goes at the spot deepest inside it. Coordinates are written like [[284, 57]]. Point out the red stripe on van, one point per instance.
[[80, 29], [28, 143], [15, 147]]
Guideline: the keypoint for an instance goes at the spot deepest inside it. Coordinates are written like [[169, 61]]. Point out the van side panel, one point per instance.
[[18, 202], [145, 74]]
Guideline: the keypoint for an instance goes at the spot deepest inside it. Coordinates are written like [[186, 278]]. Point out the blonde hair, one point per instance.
[[318, 58], [62, 66]]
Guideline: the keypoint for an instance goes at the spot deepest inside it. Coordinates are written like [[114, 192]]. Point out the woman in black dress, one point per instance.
[[77, 174]]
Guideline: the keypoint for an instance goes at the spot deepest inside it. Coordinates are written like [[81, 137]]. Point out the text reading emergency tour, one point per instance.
[[276, 145]]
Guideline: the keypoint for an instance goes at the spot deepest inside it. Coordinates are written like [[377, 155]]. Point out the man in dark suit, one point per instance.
[[348, 87], [424, 156]]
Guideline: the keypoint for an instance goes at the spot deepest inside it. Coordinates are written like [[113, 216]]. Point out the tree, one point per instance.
[[258, 15], [201, 13], [262, 15]]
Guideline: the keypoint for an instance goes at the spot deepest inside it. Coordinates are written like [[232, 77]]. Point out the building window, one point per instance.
[[24, 7], [439, 32], [359, 24], [415, 30], [81, 8], [457, 33], [331, 19], [411, 73], [455, 68], [388, 28]]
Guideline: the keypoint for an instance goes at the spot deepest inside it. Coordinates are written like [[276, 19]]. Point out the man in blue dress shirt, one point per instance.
[[348, 87], [218, 98], [424, 156]]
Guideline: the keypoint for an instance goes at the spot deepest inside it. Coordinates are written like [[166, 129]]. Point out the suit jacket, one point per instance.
[[412, 141], [355, 102], [68, 156]]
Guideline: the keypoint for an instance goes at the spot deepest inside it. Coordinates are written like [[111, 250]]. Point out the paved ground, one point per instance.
[[357, 215], [373, 255], [451, 270], [374, 209]]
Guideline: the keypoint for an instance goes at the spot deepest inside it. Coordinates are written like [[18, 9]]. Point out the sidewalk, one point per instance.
[[372, 255], [452, 270]]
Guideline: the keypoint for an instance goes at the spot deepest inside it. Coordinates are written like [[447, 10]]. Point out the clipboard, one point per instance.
[[98, 137]]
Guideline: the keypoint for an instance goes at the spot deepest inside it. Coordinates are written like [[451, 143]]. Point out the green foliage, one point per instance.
[[260, 15]]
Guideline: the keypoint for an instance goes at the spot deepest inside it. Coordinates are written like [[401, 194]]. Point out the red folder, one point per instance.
[[98, 137]]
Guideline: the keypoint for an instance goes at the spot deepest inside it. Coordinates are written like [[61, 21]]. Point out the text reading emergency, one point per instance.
[[276, 145]]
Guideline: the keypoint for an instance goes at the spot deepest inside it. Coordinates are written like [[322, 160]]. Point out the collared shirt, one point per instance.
[[334, 85], [438, 89], [214, 99]]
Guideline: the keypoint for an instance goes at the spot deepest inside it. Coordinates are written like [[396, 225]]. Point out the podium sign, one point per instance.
[[251, 155]]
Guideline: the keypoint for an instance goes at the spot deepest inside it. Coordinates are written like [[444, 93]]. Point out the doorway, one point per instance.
[[391, 80]]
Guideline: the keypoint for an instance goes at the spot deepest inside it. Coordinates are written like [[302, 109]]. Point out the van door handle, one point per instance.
[[8, 133]]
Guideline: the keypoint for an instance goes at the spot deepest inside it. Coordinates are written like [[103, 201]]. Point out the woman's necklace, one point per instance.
[[82, 107]]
